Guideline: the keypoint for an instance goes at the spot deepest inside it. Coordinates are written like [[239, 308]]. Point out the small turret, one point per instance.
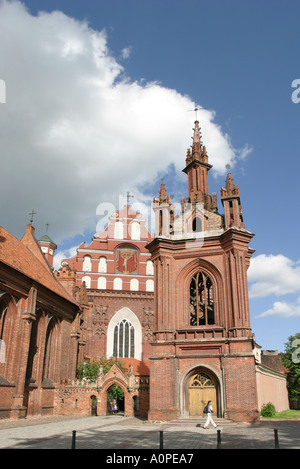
[[230, 197], [48, 248], [164, 213]]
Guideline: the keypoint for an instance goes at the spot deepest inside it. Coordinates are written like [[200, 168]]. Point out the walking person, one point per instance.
[[208, 411]]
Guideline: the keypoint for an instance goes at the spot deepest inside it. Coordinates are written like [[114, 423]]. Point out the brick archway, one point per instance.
[[116, 376], [198, 385], [104, 392]]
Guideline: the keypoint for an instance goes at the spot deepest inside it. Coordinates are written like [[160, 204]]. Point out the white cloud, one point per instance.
[[245, 152], [63, 254], [283, 309], [273, 275], [126, 52], [75, 131]]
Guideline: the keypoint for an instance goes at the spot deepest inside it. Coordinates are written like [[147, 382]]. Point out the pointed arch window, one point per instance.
[[197, 225], [201, 300], [124, 340], [51, 351]]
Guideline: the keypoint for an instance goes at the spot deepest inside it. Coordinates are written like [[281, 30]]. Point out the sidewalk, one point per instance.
[[118, 433]]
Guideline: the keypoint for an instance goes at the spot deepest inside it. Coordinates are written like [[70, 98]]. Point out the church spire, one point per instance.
[[197, 168], [230, 197], [196, 147]]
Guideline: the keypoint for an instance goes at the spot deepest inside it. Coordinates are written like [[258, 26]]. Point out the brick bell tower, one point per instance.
[[203, 344]]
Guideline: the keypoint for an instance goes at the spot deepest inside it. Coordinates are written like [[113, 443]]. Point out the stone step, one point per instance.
[[200, 421]]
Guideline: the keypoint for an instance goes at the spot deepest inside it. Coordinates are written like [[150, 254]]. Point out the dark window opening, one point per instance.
[[201, 301], [197, 225]]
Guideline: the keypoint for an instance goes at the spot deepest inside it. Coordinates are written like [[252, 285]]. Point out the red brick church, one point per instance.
[[173, 307], [176, 303]]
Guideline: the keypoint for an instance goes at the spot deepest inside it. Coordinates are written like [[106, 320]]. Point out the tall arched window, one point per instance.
[[135, 230], [8, 321], [197, 225], [149, 268], [51, 351], [149, 285], [124, 340], [201, 300], [102, 265], [87, 264], [118, 284], [115, 334], [119, 230], [87, 281], [102, 283], [134, 284]]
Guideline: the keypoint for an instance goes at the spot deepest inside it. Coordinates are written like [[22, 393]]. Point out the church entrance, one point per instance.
[[115, 400], [202, 388]]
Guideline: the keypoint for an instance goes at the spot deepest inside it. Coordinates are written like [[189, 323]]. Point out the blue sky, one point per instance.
[[98, 102]]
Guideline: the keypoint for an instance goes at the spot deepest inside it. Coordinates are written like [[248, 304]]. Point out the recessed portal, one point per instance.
[[202, 389]]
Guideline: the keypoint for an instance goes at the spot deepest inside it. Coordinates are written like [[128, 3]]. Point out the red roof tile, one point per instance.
[[26, 257], [139, 368]]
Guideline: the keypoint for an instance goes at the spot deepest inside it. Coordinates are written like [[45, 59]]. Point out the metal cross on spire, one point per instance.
[[128, 196], [32, 213], [195, 110]]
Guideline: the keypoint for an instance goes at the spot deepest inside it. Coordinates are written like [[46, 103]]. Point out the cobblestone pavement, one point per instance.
[[118, 433]]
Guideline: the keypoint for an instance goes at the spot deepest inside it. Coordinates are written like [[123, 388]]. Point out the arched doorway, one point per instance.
[[93, 403], [115, 399], [202, 387]]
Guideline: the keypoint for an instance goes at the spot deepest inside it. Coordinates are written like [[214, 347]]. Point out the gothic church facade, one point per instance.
[[172, 306], [176, 302], [203, 343]]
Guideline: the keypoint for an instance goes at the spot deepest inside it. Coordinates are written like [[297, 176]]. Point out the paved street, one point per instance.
[[119, 433]]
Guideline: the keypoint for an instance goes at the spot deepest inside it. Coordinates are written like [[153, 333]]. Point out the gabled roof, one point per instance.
[[26, 257]]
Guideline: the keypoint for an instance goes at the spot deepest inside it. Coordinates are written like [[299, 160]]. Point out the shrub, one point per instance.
[[268, 410], [89, 369]]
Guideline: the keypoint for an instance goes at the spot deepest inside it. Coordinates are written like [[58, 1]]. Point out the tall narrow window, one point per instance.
[[87, 281], [135, 230], [149, 285], [124, 340], [101, 283], [201, 300], [118, 284], [51, 351], [87, 264], [119, 230], [134, 284], [197, 225], [149, 268], [102, 267]]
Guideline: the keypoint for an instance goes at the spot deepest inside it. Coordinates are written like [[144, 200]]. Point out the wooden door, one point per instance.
[[201, 390]]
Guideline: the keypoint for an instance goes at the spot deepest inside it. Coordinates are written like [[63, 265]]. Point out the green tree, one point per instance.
[[89, 369], [291, 360], [115, 392]]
